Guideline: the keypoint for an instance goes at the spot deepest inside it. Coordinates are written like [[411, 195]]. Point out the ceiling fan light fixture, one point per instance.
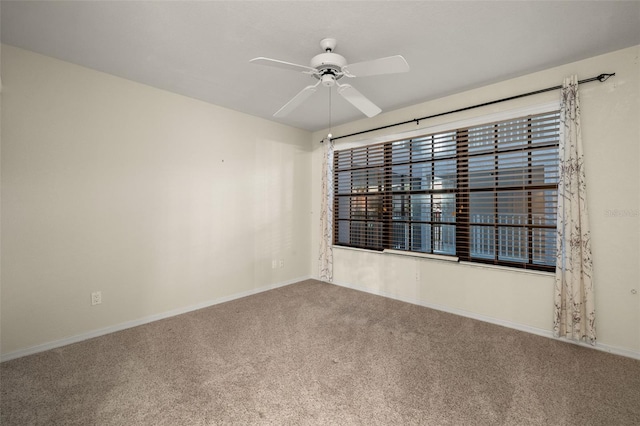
[[328, 80]]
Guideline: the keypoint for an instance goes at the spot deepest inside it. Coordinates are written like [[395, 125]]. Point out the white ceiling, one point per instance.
[[202, 49]]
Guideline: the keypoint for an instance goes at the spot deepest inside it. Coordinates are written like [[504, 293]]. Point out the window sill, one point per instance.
[[356, 249], [507, 268], [423, 255]]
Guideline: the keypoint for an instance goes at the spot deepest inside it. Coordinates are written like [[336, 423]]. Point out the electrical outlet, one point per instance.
[[274, 264], [96, 298], [281, 263]]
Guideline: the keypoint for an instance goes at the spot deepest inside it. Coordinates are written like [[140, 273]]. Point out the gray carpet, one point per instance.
[[317, 354]]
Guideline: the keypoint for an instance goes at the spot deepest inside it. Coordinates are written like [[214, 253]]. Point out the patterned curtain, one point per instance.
[[326, 214], [574, 314]]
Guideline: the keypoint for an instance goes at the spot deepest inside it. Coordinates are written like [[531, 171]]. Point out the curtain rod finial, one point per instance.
[[604, 77]]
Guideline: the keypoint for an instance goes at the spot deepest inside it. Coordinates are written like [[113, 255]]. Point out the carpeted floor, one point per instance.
[[318, 354]]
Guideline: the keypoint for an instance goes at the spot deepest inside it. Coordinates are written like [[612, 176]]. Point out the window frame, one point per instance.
[[462, 222]]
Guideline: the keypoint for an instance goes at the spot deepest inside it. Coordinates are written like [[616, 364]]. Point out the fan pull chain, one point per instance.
[[329, 136]]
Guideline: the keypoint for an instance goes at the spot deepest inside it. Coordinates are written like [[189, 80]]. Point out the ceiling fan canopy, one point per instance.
[[329, 67]]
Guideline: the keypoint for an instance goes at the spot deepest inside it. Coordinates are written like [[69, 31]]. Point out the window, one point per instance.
[[485, 193]]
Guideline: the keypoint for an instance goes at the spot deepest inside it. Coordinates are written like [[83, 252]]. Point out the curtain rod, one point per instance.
[[601, 78]]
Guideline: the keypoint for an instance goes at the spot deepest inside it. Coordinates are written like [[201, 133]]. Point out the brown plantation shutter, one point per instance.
[[359, 196], [485, 193]]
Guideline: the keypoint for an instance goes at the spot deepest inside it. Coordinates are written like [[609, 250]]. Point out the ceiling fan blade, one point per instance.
[[282, 64], [358, 100], [388, 65], [297, 100]]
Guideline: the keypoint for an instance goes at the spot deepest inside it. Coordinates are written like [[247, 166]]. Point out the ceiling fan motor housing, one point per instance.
[[328, 58], [328, 64]]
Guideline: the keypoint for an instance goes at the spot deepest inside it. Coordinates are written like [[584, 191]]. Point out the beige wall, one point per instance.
[[611, 136], [161, 202]]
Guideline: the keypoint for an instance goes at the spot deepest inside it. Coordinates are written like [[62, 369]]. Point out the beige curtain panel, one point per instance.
[[574, 313], [325, 263]]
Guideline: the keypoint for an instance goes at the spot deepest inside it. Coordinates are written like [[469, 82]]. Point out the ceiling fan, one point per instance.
[[328, 68]]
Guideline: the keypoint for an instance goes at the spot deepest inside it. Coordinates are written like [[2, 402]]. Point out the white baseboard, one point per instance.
[[521, 327], [134, 323]]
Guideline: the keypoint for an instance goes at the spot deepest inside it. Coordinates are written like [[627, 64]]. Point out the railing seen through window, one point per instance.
[[485, 193]]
